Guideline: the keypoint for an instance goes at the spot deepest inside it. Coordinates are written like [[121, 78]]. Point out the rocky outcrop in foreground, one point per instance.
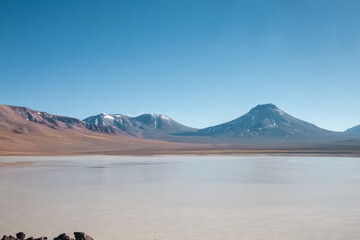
[[78, 236]]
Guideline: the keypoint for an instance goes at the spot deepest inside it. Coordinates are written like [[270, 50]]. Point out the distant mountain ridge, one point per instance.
[[24, 131], [144, 126], [263, 122], [354, 130], [45, 119]]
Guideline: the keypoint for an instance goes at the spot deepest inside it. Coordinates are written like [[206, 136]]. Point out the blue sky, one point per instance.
[[199, 62]]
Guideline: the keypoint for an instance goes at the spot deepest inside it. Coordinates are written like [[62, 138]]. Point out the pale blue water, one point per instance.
[[182, 197]]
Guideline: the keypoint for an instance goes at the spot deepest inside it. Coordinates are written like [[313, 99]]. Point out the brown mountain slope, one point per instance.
[[22, 119], [27, 132]]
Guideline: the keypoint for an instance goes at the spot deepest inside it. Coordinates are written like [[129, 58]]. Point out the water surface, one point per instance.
[[182, 197]]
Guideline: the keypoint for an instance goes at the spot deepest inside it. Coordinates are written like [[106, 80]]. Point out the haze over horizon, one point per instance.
[[200, 62]]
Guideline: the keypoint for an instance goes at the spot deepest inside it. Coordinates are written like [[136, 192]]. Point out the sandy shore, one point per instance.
[[148, 152]]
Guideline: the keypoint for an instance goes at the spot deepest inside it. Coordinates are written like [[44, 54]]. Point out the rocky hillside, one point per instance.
[[24, 120]]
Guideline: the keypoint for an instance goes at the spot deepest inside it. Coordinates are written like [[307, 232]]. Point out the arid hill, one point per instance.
[[27, 132]]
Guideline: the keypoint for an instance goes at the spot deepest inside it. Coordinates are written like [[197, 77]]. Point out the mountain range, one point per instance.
[[23, 129], [153, 126], [263, 122]]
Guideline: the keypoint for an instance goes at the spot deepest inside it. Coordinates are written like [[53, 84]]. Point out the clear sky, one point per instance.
[[199, 62]]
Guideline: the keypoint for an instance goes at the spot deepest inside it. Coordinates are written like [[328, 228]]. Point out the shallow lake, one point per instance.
[[182, 197]]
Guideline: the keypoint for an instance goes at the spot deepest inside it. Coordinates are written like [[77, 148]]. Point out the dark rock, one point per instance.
[[40, 238], [19, 130], [82, 236], [63, 237], [8, 238], [20, 236]]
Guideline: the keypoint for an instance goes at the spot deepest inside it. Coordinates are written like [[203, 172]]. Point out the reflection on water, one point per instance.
[[182, 197]]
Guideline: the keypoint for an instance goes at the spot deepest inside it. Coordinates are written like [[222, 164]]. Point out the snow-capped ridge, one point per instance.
[[144, 125]]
